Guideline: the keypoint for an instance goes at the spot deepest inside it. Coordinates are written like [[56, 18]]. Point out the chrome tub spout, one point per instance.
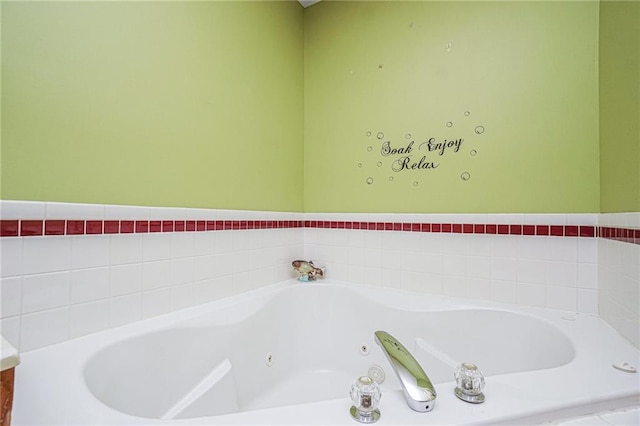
[[418, 390]]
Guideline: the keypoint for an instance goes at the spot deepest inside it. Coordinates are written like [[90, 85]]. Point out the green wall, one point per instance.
[[525, 71], [620, 106], [195, 104], [257, 105]]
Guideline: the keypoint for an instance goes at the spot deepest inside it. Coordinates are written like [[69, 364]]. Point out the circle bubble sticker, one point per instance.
[[390, 178], [369, 148], [368, 133], [467, 113], [407, 136], [480, 130], [473, 152], [369, 180], [449, 124], [379, 163], [415, 183], [465, 176], [360, 165], [380, 135]]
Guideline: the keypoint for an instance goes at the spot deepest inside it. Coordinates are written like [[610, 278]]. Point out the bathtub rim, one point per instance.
[[95, 342]]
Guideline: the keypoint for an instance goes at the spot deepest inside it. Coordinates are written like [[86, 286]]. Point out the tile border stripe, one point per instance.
[[58, 227]]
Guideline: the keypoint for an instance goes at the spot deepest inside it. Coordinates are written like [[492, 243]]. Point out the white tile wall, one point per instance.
[[54, 288], [528, 270], [619, 278]]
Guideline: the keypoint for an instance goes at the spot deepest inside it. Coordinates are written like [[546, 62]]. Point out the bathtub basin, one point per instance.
[[288, 354]]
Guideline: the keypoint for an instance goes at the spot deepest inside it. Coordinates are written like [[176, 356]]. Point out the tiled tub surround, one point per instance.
[[79, 268], [57, 287], [619, 275]]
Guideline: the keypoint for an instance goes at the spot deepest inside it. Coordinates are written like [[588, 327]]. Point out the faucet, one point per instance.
[[418, 390]]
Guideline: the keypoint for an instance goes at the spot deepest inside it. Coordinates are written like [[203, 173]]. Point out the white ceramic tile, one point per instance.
[[182, 244], [478, 288], [223, 287], [181, 271], [565, 298], [45, 291], [203, 268], [89, 251], [156, 302], [181, 296], [89, 284], [355, 256], [156, 246], [87, 318], [477, 245], [204, 291], [587, 250], [478, 267], [125, 249], [532, 294], [588, 301], [10, 296], [126, 212], [588, 275], [504, 246], [10, 256], [125, 309], [453, 265], [532, 271], [504, 291], [156, 274], [531, 247], [562, 274], [206, 214], [373, 276], [10, 209], [46, 254], [582, 219], [222, 264], [391, 259], [10, 330], [167, 213], [562, 248], [454, 286], [504, 269], [74, 211], [125, 279], [44, 328], [203, 243]]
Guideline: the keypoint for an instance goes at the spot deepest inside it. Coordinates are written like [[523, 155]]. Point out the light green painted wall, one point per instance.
[[526, 71], [620, 106], [195, 104]]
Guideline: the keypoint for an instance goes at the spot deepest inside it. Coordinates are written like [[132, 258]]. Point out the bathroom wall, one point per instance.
[[619, 258], [188, 104], [619, 59], [517, 82]]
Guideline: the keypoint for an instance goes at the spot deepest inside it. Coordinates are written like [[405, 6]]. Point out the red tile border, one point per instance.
[[30, 228], [93, 227], [9, 228], [111, 226], [127, 227], [142, 226], [54, 227], [75, 227], [25, 228]]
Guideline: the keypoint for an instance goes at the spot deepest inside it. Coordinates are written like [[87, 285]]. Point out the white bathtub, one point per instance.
[[288, 354]]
